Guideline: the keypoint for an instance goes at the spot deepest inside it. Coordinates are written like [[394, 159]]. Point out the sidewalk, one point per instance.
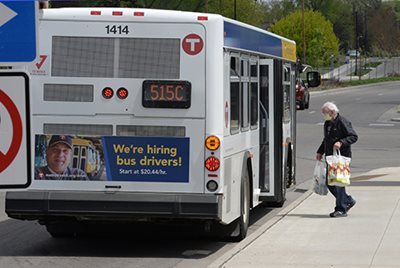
[[305, 236]]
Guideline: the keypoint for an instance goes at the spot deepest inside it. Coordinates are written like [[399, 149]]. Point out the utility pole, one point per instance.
[[206, 6], [304, 32], [234, 10], [356, 15]]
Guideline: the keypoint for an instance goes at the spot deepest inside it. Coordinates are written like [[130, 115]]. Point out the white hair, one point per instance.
[[330, 106]]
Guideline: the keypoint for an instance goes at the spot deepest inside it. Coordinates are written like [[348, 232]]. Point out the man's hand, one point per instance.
[[319, 157], [337, 145]]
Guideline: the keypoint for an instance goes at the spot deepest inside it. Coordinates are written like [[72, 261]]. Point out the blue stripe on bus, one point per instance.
[[236, 36]]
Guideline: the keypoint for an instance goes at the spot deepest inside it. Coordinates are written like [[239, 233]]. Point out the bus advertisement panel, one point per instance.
[[111, 158]]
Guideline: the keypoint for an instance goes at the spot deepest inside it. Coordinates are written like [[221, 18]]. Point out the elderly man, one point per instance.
[[58, 157], [338, 135]]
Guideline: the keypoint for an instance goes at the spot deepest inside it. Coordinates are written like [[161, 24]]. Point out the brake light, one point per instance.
[[212, 163], [122, 93], [212, 143], [107, 93]]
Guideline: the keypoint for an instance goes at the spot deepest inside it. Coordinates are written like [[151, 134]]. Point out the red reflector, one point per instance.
[[202, 18], [107, 93], [212, 175], [139, 14], [212, 163], [122, 93], [96, 13], [117, 13]]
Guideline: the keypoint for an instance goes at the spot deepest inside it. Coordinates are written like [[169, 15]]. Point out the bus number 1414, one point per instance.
[[117, 29]]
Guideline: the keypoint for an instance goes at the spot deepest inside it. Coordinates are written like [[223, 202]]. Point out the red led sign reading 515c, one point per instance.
[[166, 94]]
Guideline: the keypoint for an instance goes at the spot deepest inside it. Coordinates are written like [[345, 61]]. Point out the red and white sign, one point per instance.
[[15, 171], [192, 44]]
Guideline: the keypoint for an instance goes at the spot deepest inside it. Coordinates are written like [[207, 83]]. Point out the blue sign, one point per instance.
[[18, 31], [146, 159]]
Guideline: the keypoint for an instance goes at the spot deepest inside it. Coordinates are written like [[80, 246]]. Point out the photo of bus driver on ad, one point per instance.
[[58, 156]]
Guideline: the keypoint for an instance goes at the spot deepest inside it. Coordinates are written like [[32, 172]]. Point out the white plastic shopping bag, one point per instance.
[[319, 179], [338, 169]]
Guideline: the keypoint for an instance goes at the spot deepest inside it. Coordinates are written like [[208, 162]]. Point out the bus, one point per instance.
[[194, 114]]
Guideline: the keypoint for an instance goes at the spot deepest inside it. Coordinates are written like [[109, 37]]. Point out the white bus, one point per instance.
[[193, 117]]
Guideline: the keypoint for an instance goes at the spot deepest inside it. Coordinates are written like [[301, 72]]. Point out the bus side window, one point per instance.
[[254, 95], [244, 100], [234, 95], [286, 93]]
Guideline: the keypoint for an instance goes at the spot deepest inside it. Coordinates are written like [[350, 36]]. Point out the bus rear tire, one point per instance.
[[62, 229]]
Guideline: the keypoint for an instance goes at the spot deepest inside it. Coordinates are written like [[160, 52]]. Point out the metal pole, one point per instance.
[[356, 42], [234, 10], [304, 32], [206, 6]]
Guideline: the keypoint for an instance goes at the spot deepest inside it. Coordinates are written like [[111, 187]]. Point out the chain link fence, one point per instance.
[[363, 68]]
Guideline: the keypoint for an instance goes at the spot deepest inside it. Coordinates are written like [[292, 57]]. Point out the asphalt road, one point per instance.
[[369, 108]]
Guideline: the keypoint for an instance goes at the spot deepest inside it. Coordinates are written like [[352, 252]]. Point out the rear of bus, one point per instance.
[[132, 84]]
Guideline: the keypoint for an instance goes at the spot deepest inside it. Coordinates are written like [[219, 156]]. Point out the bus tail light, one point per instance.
[[122, 93], [212, 143], [212, 163], [107, 93]]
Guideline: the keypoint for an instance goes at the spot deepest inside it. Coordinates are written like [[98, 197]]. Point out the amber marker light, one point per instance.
[[212, 143]]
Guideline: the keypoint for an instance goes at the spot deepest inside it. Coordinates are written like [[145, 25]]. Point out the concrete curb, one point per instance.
[[221, 261]]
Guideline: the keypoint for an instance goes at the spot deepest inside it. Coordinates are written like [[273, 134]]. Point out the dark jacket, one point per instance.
[[341, 130]]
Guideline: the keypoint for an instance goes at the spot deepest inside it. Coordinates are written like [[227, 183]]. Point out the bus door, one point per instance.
[[266, 134]]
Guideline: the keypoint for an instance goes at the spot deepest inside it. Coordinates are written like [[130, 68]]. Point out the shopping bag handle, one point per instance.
[[336, 152]]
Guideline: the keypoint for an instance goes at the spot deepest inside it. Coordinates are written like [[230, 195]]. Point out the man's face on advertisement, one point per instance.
[[58, 157]]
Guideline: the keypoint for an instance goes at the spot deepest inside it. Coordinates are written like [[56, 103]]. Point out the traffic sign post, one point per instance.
[[15, 144], [18, 32]]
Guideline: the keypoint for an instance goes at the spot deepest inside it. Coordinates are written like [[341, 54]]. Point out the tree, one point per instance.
[[384, 31], [248, 11], [321, 42]]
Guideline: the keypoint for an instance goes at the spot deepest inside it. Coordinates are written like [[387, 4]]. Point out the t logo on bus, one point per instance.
[[192, 44]]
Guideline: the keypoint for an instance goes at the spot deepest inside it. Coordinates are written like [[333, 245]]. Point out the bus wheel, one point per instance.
[[302, 105], [61, 229]]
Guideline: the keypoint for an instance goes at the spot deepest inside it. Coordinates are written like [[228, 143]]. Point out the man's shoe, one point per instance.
[[349, 206], [337, 214]]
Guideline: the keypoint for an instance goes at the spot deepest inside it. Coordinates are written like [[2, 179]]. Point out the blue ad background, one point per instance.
[[173, 174]]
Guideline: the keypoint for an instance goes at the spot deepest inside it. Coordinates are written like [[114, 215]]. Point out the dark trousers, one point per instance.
[[342, 198]]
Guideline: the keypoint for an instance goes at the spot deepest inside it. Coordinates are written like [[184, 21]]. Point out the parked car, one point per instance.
[[302, 95], [353, 53]]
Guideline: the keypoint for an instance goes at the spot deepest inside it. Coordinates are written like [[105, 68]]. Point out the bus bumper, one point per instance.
[[45, 205]]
